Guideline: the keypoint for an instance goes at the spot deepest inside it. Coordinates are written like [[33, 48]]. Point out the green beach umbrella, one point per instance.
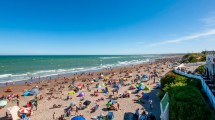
[[3, 103]]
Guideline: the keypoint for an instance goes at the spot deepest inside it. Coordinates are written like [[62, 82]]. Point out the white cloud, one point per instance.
[[209, 21], [185, 38]]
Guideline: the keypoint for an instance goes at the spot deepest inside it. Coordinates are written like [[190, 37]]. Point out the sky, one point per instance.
[[89, 27]]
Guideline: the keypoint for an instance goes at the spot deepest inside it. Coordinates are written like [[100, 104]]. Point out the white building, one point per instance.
[[210, 65]]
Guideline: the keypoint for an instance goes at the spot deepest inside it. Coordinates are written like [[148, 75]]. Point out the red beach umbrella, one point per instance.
[[24, 110]]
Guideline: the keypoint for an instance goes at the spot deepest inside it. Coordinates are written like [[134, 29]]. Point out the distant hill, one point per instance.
[[194, 57]]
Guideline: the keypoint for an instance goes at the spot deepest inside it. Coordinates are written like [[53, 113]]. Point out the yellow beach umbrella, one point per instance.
[[72, 92]]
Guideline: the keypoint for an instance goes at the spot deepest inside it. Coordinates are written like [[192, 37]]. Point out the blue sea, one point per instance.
[[18, 68]]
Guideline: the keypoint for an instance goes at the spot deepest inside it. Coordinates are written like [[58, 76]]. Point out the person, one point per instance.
[[17, 102], [76, 111], [53, 115], [80, 104], [136, 115], [88, 87], [118, 105], [35, 104]]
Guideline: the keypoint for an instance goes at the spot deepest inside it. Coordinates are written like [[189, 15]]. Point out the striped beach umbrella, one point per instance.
[[24, 110]]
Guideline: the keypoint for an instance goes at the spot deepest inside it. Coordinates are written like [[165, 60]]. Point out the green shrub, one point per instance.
[[200, 69], [193, 57], [185, 99]]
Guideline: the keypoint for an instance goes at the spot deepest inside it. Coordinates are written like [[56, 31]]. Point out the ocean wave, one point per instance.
[[46, 73], [104, 58]]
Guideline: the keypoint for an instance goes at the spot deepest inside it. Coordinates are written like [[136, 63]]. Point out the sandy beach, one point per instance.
[[56, 91]]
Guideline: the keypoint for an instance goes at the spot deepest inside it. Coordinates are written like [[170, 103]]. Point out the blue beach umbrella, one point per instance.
[[78, 118]]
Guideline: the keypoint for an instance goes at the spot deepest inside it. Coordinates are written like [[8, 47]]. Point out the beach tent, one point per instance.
[[102, 84], [35, 91], [132, 87], [78, 118], [14, 112], [9, 90], [87, 102], [113, 101], [128, 116], [98, 86], [72, 92], [73, 104], [140, 88], [110, 116], [3, 103], [107, 90], [145, 76], [27, 93], [96, 80], [109, 104], [79, 86], [82, 94]]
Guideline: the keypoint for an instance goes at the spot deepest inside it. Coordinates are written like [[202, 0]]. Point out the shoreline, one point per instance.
[[68, 74]]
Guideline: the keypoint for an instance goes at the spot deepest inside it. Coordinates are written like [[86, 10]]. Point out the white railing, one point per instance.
[[204, 85]]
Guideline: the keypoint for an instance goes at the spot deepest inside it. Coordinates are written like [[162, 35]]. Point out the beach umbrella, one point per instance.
[[78, 118], [3, 103], [24, 110], [79, 86], [73, 104], [72, 92], [82, 94], [35, 91]]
